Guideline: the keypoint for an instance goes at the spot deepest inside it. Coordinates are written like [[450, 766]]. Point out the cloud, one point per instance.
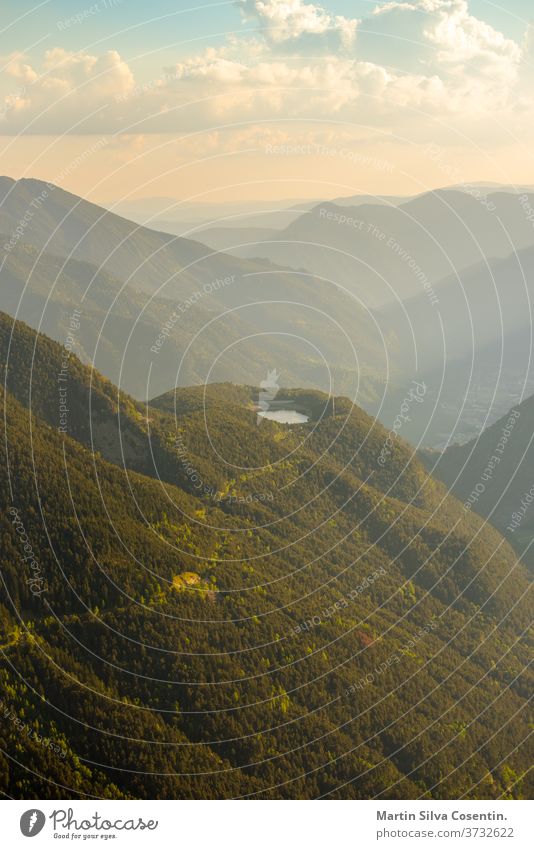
[[462, 40], [479, 66], [15, 66], [410, 63], [448, 38], [69, 89], [284, 22]]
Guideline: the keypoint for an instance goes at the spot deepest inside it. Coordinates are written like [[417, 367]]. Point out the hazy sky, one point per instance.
[[266, 98]]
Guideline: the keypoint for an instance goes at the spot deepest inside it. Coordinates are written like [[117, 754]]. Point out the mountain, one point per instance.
[[483, 306], [492, 475], [383, 253], [201, 316], [168, 214], [212, 222], [267, 611], [157, 310], [473, 345], [63, 224]]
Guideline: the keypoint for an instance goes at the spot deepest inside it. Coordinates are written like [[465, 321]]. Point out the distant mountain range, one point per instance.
[[383, 253], [169, 214], [159, 310], [210, 316]]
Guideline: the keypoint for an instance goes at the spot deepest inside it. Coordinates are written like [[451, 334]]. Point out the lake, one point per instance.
[[285, 416]]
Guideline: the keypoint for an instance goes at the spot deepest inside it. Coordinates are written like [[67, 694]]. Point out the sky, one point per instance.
[[265, 99]]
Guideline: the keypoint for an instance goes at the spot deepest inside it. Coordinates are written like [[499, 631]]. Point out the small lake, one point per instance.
[[285, 416]]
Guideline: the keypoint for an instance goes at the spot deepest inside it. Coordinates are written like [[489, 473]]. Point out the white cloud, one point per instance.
[[478, 65], [461, 38], [286, 21], [458, 40]]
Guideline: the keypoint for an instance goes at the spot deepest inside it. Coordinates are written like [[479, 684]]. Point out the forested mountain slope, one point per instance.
[[305, 622], [492, 475]]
